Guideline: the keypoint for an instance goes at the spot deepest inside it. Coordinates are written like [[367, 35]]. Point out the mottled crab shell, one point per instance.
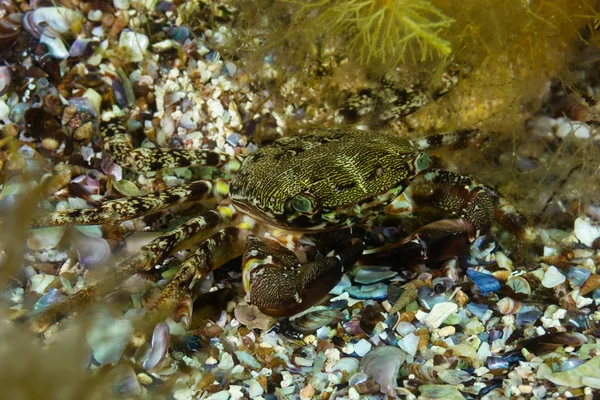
[[326, 179]]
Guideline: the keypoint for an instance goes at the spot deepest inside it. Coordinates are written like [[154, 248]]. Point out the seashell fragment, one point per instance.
[[446, 392], [366, 292], [578, 276], [485, 282], [579, 376], [372, 275], [553, 277], [382, 364], [585, 231], [428, 298], [51, 21], [108, 338], [45, 238], [135, 43], [93, 252], [158, 347], [52, 297], [438, 314]]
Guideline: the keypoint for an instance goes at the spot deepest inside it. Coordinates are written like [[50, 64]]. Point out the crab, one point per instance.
[[321, 180]]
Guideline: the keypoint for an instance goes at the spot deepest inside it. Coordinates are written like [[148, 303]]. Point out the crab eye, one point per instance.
[[421, 161], [305, 204]]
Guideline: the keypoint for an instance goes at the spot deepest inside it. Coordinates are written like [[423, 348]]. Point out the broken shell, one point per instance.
[[382, 364], [158, 347]]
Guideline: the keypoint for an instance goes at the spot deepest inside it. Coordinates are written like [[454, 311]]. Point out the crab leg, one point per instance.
[[117, 144], [194, 230], [276, 283], [471, 208], [213, 252], [116, 211]]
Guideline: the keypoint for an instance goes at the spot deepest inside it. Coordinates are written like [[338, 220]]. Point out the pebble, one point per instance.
[[553, 277], [585, 231]]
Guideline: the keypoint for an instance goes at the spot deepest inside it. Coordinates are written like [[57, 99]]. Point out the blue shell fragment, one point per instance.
[[578, 276], [477, 310], [485, 282]]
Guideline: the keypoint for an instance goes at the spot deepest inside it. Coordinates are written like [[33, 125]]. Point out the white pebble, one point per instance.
[[95, 15], [121, 4], [553, 278], [566, 127], [362, 347], [585, 231], [222, 395]]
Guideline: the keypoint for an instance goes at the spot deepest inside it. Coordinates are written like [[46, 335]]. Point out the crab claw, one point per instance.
[[279, 289], [434, 242]]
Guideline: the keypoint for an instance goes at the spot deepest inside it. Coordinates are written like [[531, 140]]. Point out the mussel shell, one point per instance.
[[371, 316], [314, 319], [547, 343]]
